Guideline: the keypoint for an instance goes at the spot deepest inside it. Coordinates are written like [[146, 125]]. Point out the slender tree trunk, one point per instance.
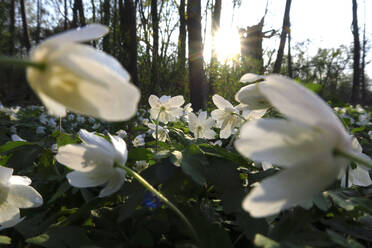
[[283, 35], [26, 33], [65, 27], [356, 66], [290, 70], [38, 21], [155, 44], [182, 38], [81, 13], [128, 30], [114, 29], [363, 66], [106, 21], [197, 85], [216, 16], [74, 23], [11, 27], [94, 18]]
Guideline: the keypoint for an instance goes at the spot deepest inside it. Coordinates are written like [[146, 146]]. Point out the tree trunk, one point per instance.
[[283, 35], [155, 44], [128, 30], [81, 12], [216, 16], [94, 18], [65, 27], [78, 14], [26, 34], [290, 70], [106, 21], [114, 29], [363, 66], [356, 66], [197, 85], [182, 38], [11, 27], [38, 22]]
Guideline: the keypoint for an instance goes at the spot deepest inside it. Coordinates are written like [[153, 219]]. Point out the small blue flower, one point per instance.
[[151, 201]]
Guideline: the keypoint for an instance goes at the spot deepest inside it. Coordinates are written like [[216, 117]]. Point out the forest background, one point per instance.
[[175, 47]]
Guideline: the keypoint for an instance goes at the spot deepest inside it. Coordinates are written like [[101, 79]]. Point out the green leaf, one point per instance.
[[314, 87], [340, 199], [5, 240], [193, 164], [61, 237], [65, 139], [63, 188], [12, 145], [358, 129], [265, 242], [342, 242], [140, 154]]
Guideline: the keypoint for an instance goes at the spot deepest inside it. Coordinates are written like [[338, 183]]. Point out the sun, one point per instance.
[[227, 44]]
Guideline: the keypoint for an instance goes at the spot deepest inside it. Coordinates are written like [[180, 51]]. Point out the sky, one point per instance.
[[326, 23]]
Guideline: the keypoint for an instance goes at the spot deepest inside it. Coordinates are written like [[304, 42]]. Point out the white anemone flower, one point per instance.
[[167, 108], [359, 175], [304, 144], [139, 140], [251, 96], [201, 126], [15, 193], [80, 78], [226, 116], [251, 78], [162, 132], [94, 162]]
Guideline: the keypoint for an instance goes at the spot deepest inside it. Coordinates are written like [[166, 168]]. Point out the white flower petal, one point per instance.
[[87, 179], [91, 138], [114, 184], [23, 196], [291, 187], [121, 151], [221, 102], [84, 158], [83, 34], [86, 81], [251, 96], [250, 78], [22, 180], [297, 102], [175, 101], [5, 174], [9, 215], [154, 101], [283, 142], [226, 131]]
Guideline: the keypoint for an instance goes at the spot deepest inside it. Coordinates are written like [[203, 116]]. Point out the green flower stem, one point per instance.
[[353, 157], [157, 132], [164, 199], [4, 60]]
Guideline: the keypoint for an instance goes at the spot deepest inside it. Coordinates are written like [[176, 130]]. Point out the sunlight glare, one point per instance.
[[227, 44]]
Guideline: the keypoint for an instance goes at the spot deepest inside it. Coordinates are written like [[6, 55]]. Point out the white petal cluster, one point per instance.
[[167, 108], [94, 161], [226, 116], [304, 144], [162, 132], [15, 193], [359, 175], [201, 126], [80, 78]]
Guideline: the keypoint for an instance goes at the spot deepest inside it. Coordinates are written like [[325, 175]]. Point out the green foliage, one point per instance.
[[207, 182]]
